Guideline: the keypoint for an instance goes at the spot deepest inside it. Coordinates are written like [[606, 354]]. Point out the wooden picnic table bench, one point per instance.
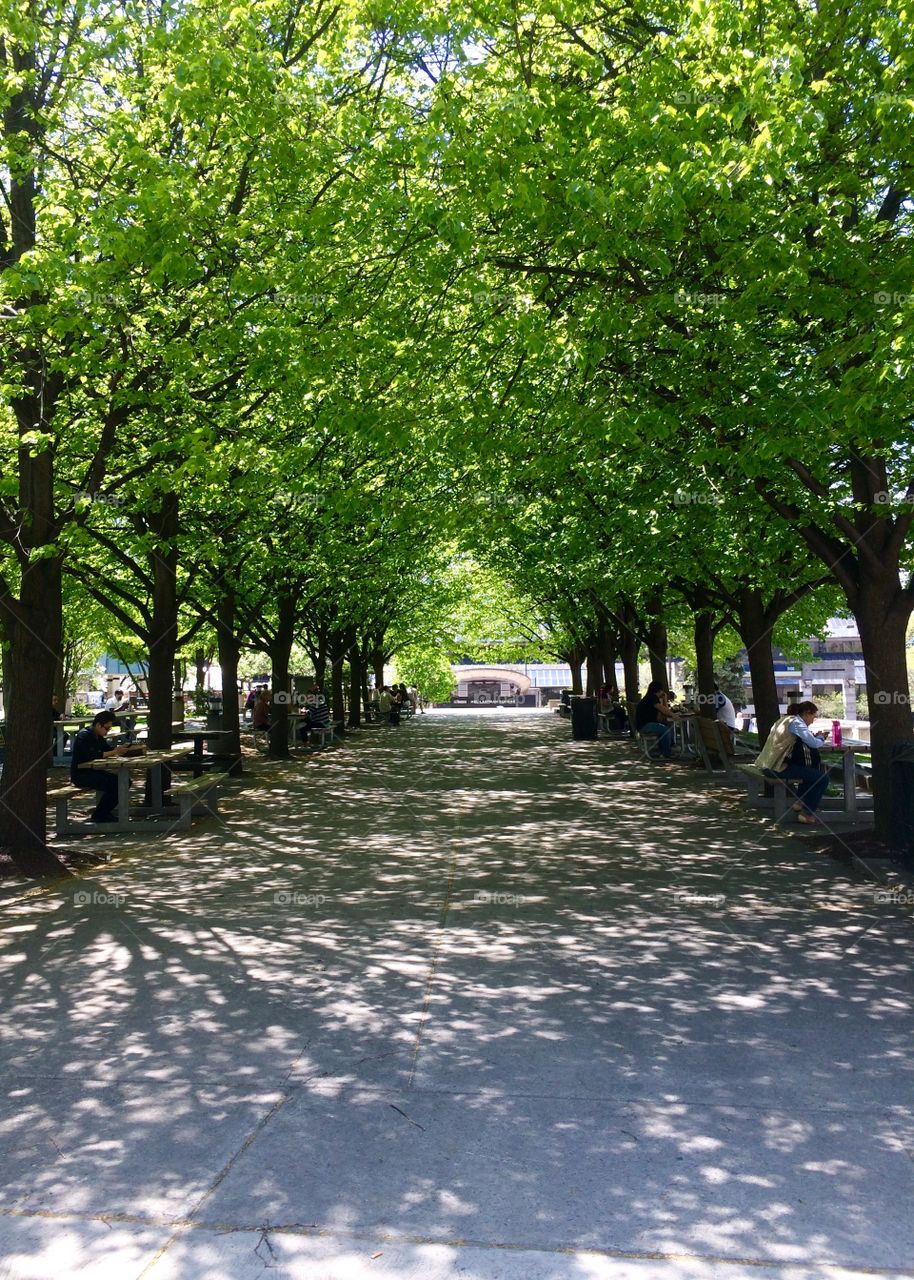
[[850, 803], [156, 813]]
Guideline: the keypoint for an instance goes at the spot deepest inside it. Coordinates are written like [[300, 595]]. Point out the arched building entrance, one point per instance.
[[493, 686]]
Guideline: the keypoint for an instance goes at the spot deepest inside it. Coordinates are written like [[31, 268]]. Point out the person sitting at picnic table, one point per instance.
[[724, 709], [260, 714], [317, 712], [791, 750], [618, 716], [57, 716], [653, 715], [89, 745], [116, 702]]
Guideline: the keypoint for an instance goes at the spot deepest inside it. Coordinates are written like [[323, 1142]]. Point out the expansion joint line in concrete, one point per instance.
[[181, 1226], [433, 969], [285, 1097]]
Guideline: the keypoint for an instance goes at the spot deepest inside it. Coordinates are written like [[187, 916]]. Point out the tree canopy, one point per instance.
[[304, 310]]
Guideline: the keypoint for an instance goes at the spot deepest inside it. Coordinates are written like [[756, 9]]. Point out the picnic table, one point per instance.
[[154, 814], [198, 737], [684, 732], [849, 769], [850, 748], [70, 725]]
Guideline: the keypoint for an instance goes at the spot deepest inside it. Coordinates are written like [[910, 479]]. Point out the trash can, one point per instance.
[[214, 712], [583, 717], [902, 837]]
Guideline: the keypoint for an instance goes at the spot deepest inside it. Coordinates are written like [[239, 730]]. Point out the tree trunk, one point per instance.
[[7, 668], [755, 626], [629, 645], [163, 629], [657, 651], [594, 670], [364, 663], [704, 664], [280, 658], [377, 666], [229, 654], [337, 686], [200, 664], [355, 687], [60, 678], [608, 654], [33, 627], [575, 657], [882, 619]]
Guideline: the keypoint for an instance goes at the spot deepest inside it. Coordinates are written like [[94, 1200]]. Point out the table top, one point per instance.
[[148, 760], [202, 732]]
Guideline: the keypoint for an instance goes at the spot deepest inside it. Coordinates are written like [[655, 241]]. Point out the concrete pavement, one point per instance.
[[463, 998]]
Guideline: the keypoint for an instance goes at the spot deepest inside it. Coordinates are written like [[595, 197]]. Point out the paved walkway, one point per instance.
[[464, 999]]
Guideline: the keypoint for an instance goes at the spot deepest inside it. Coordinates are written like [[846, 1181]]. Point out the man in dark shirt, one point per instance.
[[89, 745]]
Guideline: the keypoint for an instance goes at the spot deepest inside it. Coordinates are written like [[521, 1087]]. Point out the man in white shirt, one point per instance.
[[726, 712]]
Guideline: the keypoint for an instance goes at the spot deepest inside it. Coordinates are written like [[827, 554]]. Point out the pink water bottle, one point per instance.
[[836, 733]]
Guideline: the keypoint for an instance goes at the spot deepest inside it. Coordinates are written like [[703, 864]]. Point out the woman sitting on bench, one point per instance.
[[653, 715]]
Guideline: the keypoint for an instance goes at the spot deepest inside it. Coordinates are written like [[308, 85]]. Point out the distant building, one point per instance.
[[836, 666], [491, 686]]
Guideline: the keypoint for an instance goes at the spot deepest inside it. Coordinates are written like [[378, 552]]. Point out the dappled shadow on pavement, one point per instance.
[[472, 995]]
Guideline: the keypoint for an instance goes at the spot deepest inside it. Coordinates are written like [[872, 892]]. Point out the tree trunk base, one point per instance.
[[38, 864]]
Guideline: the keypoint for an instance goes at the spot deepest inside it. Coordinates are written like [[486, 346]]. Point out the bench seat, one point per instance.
[[198, 797], [195, 797], [758, 779]]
